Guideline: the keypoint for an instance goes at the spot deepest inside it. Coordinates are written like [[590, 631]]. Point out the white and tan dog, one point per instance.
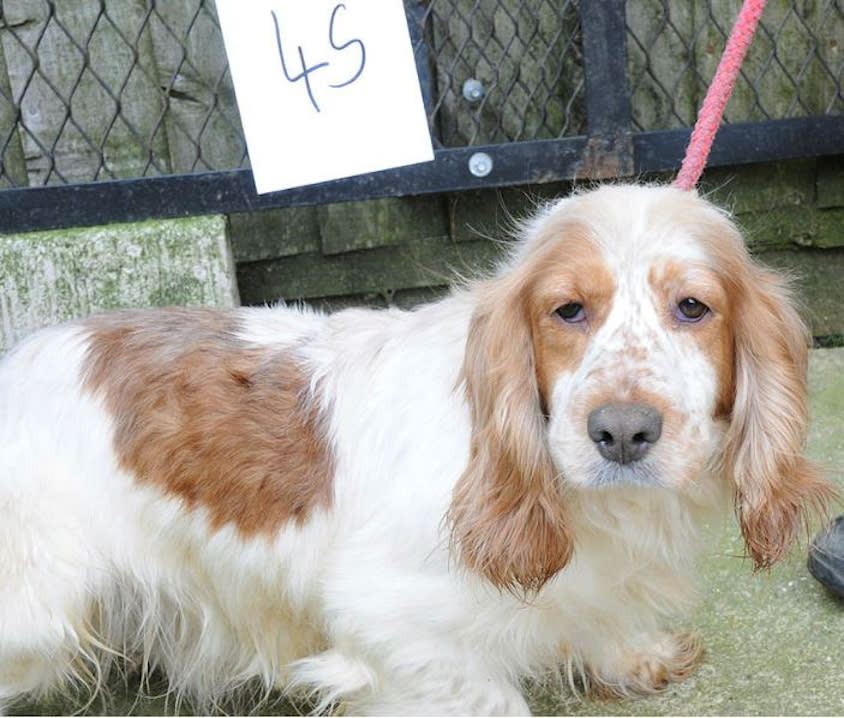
[[408, 511]]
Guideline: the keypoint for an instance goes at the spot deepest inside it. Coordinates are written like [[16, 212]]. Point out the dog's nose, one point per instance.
[[624, 432]]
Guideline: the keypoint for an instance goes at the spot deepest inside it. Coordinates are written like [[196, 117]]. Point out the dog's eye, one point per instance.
[[691, 310], [571, 313]]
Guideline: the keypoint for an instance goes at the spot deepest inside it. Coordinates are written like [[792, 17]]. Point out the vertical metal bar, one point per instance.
[[609, 150]]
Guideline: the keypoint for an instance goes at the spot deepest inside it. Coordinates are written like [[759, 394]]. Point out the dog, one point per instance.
[[409, 511]]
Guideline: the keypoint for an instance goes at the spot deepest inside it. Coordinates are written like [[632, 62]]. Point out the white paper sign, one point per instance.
[[325, 89]]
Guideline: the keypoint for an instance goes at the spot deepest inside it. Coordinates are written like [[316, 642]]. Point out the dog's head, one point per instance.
[[629, 340]]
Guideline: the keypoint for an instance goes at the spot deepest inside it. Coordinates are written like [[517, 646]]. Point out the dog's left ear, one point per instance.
[[507, 517], [777, 489]]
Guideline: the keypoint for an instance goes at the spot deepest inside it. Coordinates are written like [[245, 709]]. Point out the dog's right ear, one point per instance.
[[507, 517]]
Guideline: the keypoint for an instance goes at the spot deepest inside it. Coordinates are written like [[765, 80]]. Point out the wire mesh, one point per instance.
[[793, 69], [526, 60], [107, 89]]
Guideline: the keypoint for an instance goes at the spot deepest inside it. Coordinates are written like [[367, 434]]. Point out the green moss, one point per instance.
[[48, 277]]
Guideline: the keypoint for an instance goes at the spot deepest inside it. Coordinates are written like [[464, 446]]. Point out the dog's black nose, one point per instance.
[[624, 432]]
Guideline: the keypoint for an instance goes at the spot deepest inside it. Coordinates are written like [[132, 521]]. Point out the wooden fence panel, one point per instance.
[[526, 55], [790, 68], [89, 110], [664, 86], [203, 125]]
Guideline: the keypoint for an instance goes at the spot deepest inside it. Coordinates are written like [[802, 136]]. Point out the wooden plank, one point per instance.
[[665, 88], [49, 277], [775, 203], [491, 214], [12, 163], [258, 236], [790, 227], [830, 233], [762, 187], [375, 271], [352, 226], [528, 57], [203, 124], [818, 286], [830, 181], [87, 73], [790, 70], [828, 28], [401, 298]]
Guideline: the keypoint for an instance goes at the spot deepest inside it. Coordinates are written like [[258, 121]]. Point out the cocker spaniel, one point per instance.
[[409, 511]]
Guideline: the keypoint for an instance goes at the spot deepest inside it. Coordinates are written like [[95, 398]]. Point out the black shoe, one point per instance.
[[826, 556]]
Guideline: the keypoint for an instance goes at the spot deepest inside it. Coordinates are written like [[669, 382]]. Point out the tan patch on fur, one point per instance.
[[574, 271], [672, 281], [507, 517], [204, 417], [771, 527]]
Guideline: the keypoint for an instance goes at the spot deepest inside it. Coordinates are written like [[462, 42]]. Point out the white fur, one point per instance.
[[365, 603]]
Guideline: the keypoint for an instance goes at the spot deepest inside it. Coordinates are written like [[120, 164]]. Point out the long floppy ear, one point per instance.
[[507, 518], [777, 489]]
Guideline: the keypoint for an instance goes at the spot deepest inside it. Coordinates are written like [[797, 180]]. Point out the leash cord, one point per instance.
[[712, 109]]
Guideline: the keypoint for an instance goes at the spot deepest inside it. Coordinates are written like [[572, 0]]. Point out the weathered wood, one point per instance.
[[48, 277], [789, 227], [830, 182], [203, 124], [492, 214], [830, 233], [527, 55], [665, 89], [382, 222], [791, 68], [782, 75], [256, 236], [828, 28], [90, 69], [818, 283], [376, 271], [762, 187], [775, 204], [12, 163], [401, 298]]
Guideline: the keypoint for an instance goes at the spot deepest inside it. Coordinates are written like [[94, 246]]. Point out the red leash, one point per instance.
[[709, 117]]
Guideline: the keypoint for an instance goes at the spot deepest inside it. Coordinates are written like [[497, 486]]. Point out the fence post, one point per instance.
[[609, 149]]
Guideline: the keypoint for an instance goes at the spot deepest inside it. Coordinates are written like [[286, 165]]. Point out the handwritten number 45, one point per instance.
[[308, 69]]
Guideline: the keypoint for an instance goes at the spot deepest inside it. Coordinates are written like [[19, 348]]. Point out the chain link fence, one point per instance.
[[105, 89]]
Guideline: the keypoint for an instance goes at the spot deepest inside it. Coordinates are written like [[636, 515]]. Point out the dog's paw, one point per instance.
[[671, 657]]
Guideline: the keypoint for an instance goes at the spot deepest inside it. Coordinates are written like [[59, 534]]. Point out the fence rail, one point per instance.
[[114, 110]]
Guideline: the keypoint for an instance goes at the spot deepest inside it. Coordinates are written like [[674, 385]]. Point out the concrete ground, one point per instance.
[[774, 641]]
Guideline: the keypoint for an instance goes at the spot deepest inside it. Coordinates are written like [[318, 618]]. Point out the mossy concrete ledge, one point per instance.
[[50, 277]]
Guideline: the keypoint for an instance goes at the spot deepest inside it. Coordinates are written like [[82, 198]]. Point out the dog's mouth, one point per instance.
[[605, 474]]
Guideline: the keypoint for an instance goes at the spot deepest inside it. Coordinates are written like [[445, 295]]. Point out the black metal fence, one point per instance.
[[117, 110]]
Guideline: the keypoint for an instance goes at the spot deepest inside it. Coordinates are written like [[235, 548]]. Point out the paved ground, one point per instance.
[[774, 641]]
